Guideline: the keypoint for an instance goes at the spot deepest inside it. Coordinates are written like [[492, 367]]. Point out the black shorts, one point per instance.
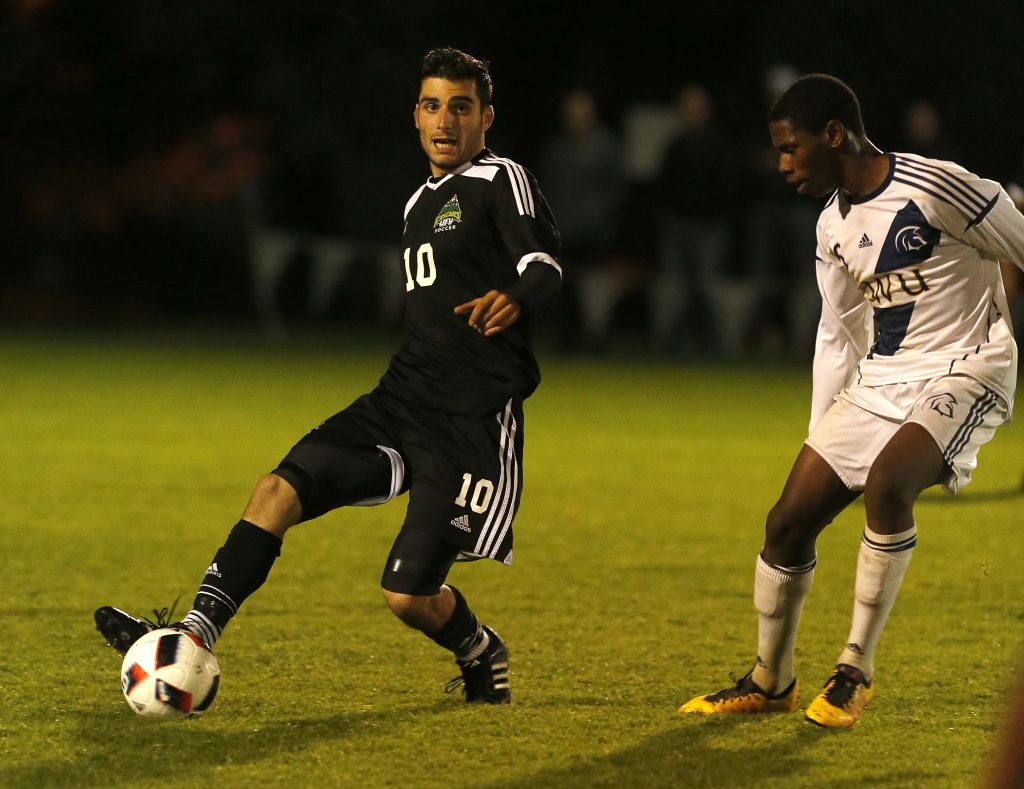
[[463, 473]]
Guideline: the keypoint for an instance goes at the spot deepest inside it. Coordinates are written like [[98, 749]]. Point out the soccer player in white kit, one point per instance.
[[915, 368]]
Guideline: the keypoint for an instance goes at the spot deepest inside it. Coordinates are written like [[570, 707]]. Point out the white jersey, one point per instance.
[[919, 259]]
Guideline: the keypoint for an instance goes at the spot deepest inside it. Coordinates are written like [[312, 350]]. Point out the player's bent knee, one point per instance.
[[274, 505], [887, 491], [785, 533], [398, 602]]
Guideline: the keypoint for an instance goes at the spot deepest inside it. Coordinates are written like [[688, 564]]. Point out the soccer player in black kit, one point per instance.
[[445, 423]]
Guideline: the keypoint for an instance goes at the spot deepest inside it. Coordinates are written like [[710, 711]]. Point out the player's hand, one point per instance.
[[491, 313]]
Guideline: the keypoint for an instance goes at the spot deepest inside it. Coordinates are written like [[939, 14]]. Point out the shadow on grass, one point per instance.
[[716, 752], [111, 753]]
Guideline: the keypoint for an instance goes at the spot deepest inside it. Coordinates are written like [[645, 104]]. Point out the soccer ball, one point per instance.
[[169, 674]]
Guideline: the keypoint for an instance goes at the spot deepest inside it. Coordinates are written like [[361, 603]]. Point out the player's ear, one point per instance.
[[488, 116], [416, 116], [835, 132]]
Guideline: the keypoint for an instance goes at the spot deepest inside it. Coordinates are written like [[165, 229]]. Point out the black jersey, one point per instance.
[[468, 232]]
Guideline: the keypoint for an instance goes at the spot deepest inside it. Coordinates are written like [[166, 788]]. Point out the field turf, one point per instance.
[[125, 460]]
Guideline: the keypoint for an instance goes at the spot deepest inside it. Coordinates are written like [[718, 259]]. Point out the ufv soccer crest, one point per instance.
[[449, 216]]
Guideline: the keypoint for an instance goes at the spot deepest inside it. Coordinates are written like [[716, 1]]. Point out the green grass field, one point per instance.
[[123, 462]]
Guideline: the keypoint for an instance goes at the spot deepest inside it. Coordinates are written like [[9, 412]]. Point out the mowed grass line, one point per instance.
[[124, 462]]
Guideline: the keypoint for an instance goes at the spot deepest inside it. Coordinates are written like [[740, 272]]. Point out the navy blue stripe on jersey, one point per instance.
[[910, 240], [969, 205], [974, 419], [890, 329], [896, 547], [984, 213], [971, 196], [520, 184]]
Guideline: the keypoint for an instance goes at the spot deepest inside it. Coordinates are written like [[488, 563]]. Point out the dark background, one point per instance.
[[142, 139]]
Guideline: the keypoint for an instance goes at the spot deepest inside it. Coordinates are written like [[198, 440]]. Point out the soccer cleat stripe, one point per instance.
[[944, 179]]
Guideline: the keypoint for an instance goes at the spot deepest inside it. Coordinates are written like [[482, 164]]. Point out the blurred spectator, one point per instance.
[[923, 133], [582, 180], [694, 188], [780, 241]]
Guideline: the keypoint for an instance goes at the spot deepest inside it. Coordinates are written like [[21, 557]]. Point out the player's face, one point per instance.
[[451, 122], [807, 161]]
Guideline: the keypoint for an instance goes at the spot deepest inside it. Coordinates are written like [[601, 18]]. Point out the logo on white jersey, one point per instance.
[[942, 404], [449, 216], [910, 239], [461, 522], [864, 242], [895, 286]]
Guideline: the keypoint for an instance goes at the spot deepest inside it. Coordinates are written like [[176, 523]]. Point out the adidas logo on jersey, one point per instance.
[[461, 522], [449, 216], [213, 570], [864, 242]]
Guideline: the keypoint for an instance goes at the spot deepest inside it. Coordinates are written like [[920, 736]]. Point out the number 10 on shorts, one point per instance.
[[482, 493]]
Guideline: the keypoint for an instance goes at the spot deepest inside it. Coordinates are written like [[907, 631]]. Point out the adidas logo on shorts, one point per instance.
[[461, 522]]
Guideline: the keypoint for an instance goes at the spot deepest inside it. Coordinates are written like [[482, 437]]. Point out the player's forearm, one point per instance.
[[538, 283]]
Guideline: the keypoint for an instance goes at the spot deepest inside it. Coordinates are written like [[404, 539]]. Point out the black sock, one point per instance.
[[238, 569], [462, 632]]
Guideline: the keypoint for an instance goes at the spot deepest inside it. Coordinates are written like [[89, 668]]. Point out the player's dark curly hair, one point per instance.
[[454, 64], [812, 101]]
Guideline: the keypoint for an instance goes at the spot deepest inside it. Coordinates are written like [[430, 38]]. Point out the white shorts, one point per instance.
[[958, 411]]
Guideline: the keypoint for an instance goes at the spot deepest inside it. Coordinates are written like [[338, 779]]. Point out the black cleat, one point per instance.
[[485, 678], [122, 629]]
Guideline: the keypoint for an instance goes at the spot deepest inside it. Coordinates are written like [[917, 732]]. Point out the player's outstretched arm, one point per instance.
[[491, 313]]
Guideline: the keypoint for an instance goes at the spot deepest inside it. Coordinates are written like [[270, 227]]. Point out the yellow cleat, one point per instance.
[[744, 696], [844, 698]]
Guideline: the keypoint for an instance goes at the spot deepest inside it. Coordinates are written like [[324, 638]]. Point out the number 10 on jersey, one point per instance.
[[426, 272]]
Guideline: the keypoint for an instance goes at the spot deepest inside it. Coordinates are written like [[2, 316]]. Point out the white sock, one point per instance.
[[881, 564], [779, 594], [200, 625]]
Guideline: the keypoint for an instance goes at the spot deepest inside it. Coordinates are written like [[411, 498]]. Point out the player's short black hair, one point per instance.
[[814, 100], [454, 64]]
